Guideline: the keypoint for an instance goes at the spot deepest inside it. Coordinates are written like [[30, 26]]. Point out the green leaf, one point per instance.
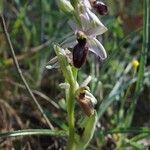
[[37, 132], [88, 125]]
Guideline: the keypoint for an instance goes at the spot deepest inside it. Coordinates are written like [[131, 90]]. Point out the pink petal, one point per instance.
[[95, 31], [96, 47], [74, 26]]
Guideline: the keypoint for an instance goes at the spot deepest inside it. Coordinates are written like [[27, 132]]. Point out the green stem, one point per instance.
[[71, 120], [144, 50], [122, 112], [75, 72], [70, 96], [74, 3]]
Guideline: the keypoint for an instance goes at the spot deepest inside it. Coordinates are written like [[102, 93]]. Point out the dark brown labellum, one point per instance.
[[81, 41], [100, 7], [79, 55]]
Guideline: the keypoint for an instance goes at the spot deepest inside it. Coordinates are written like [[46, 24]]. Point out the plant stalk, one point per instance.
[[71, 120], [146, 21]]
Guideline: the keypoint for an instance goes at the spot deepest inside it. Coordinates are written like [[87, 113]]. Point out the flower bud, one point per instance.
[[65, 6], [100, 7], [86, 100], [64, 64], [79, 54], [135, 65]]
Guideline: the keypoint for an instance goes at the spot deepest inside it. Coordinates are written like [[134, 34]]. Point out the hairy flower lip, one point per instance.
[[80, 52], [86, 106]]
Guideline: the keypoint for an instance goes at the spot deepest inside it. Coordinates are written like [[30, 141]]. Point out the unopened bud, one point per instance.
[[135, 65], [65, 6], [100, 7]]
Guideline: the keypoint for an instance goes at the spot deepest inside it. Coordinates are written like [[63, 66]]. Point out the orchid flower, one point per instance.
[[86, 100], [91, 26]]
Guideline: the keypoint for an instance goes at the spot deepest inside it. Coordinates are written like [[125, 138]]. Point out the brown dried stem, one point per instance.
[[3, 23]]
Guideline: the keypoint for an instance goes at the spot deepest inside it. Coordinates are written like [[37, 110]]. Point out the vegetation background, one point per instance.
[[33, 26]]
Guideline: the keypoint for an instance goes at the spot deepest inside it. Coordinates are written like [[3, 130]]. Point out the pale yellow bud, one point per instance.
[[135, 65]]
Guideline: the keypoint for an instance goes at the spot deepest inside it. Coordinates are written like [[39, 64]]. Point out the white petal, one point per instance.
[[89, 96], [74, 26], [53, 60], [85, 21], [53, 63], [91, 24], [87, 3], [52, 66], [94, 19], [86, 81], [95, 31], [96, 47]]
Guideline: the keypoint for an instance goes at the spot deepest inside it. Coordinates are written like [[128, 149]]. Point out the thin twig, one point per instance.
[[40, 94], [30, 52], [11, 111], [20, 72]]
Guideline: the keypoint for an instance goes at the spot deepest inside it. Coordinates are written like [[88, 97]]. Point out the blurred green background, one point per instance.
[[33, 27]]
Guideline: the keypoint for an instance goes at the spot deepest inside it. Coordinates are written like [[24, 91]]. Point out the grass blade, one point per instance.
[[37, 132]]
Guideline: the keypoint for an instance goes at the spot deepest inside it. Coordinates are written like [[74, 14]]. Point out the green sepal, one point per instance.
[[64, 64], [65, 6]]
